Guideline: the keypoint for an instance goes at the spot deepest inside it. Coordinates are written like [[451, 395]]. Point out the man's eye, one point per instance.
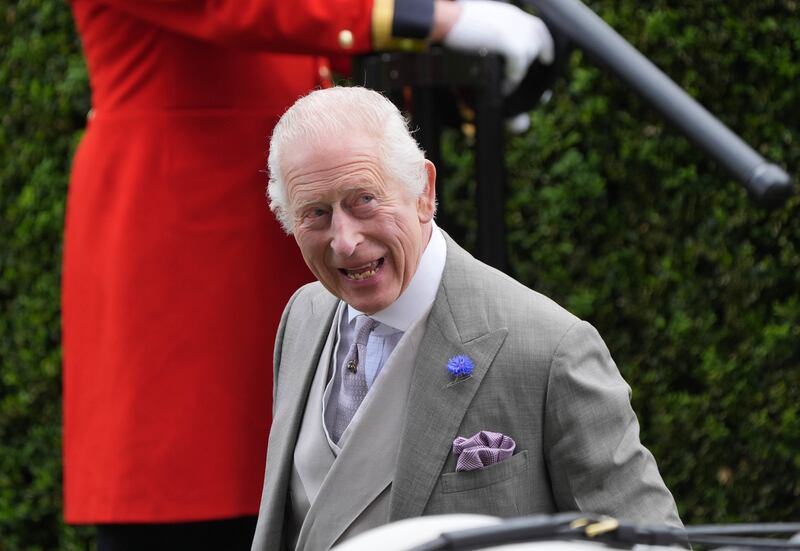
[[365, 199], [314, 213]]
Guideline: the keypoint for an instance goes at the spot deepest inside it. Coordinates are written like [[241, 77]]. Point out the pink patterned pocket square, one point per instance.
[[481, 450]]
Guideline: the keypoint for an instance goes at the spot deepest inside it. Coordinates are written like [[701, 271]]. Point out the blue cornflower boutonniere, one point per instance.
[[460, 367]]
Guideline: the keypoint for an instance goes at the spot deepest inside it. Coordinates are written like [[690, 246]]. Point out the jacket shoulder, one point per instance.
[[508, 303], [306, 303], [309, 293]]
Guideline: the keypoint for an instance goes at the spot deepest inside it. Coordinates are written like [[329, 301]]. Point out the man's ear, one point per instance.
[[426, 202]]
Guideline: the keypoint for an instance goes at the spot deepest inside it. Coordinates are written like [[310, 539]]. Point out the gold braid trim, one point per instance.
[[382, 39]]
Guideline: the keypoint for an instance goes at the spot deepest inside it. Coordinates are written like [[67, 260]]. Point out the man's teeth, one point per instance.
[[363, 273]]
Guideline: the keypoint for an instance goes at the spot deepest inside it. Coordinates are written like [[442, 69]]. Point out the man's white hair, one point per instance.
[[324, 115]]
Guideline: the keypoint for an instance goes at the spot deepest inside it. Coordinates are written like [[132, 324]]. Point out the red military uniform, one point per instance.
[[175, 272]]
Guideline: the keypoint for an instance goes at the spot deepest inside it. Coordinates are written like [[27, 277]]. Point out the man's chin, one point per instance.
[[368, 305], [368, 296], [368, 308]]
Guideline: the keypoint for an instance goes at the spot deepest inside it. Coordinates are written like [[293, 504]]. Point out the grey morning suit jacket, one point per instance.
[[541, 376]]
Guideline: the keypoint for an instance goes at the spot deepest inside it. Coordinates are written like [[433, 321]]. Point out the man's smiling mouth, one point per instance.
[[363, 272]]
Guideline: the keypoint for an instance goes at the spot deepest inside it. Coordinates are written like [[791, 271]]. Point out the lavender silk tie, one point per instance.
[[354, 381]]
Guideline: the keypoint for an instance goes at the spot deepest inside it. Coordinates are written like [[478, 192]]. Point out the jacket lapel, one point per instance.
[[437, 404], [301, 351]]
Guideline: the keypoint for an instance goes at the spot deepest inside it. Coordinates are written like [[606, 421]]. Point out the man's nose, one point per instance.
[[346, 234]]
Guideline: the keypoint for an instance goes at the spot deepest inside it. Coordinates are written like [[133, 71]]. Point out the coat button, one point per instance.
[[324, 72], [346, 39]]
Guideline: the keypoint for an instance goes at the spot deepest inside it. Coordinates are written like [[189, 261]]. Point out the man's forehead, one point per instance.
[[332, 168], [310, 189], [325, 149]]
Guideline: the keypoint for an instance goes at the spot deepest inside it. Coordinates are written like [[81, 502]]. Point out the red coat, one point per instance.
[[175, 272]]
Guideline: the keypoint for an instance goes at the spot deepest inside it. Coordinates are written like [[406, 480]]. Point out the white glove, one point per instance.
[[519, 124], [503, 29]]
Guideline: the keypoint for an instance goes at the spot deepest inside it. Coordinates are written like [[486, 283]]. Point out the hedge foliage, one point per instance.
[[43, 102], [611, 212]]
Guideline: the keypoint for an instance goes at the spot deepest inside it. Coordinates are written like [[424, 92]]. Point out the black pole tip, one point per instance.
[[770, 185]]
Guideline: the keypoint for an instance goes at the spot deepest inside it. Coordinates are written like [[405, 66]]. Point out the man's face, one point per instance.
[[361, 235]]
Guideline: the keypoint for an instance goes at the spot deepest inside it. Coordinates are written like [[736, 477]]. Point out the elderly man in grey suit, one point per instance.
[[412, 379]]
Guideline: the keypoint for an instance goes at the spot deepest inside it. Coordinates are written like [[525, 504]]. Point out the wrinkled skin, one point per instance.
[[361, 235]]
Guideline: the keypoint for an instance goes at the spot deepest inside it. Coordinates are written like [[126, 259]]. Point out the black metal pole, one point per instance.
[[490, 169], [769, 184], [427, 128]]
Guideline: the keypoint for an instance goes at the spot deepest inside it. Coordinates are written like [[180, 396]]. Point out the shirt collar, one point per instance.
[[418, 297]]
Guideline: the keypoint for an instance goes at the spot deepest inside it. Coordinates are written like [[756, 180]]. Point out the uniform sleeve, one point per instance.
[[321, 27], [596, 462]]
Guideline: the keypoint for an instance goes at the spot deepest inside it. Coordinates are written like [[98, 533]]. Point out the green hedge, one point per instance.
[[611, 212], [43, 103]]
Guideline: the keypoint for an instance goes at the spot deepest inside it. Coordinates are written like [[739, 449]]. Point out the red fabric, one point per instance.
[[175, 272]]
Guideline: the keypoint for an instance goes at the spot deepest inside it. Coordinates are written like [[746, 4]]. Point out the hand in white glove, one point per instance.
[[503, 29]]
